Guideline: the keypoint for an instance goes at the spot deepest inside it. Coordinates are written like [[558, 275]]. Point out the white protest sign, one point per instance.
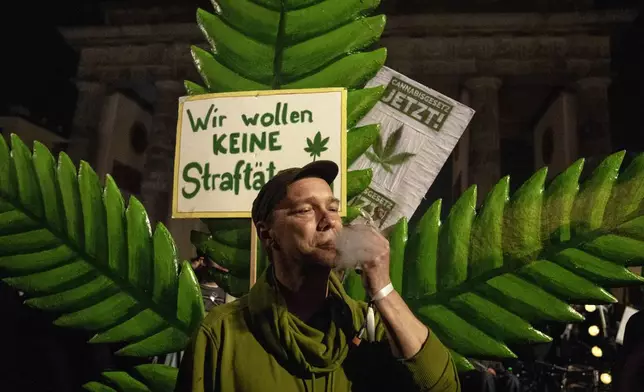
[[229, 145], [419, 129]]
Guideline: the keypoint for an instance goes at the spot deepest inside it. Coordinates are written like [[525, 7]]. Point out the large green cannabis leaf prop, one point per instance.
[[288, 44], [142, 378], [480, 279], [77, 251]]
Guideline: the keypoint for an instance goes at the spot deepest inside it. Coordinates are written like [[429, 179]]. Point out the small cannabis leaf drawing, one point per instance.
[[316, 147], [385, 155]]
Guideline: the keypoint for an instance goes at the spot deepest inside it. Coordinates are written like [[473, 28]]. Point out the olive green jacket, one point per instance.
[[255, 344]]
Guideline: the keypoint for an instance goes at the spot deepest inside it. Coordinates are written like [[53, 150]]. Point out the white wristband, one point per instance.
[[385, 291]]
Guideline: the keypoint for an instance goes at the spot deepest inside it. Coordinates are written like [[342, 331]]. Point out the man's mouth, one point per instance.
[[329, 245]]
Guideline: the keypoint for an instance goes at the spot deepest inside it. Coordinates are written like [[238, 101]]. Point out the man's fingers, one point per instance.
[[196, 263]]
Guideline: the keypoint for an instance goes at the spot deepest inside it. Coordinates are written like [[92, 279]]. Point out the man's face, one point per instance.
[[306, 222]]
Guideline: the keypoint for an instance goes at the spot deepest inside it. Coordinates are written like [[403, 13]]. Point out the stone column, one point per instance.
[[157, 178], [84, 135], [461, 156], [484, 135], [593, 118]]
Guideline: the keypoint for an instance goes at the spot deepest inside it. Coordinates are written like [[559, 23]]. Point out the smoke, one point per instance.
[[354, 246]]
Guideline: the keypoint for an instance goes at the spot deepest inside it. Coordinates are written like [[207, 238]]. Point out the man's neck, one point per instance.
[[304, 289]]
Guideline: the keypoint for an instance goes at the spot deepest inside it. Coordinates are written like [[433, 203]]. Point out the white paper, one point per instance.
[[432, 124]]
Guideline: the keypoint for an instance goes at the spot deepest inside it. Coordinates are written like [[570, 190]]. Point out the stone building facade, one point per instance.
[[510, 68]]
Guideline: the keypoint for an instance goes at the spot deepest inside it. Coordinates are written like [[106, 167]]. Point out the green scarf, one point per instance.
[[294, 342]]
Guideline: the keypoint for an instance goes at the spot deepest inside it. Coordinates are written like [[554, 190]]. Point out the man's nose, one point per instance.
[[327, 221]]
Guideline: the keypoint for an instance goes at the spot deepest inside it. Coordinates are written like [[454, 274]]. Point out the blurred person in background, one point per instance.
[[628, 372]]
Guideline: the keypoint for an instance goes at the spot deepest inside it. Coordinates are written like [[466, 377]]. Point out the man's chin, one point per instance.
[[325, 257]]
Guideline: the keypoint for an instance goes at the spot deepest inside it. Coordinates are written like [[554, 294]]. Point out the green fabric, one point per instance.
[[255, 344], [292, 340]]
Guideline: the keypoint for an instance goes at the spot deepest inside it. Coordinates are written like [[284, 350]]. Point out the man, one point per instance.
[[297, 330], [212, 295]]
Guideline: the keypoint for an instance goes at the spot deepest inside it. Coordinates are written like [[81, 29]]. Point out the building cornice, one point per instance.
[[397, 26], [510, 23], [86, 36]]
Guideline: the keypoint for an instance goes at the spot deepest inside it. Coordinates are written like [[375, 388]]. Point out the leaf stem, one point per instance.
[[279, 49], [510, 265]]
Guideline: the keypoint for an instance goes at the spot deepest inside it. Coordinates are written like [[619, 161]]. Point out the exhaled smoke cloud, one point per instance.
[[354, 246]]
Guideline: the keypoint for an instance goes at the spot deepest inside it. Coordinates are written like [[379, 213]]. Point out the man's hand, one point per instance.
[[201, 265], [406, 333], [375, 271]]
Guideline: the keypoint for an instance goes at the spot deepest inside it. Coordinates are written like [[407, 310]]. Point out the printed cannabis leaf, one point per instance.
[[400, 158], [316, 147], [384, 155], [392, 142]]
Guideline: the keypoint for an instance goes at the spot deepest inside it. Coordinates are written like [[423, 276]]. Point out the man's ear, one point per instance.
[[266, 236], [264, 232]]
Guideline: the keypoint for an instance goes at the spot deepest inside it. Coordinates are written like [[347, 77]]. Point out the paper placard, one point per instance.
[[419, 129], [229, 145]]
